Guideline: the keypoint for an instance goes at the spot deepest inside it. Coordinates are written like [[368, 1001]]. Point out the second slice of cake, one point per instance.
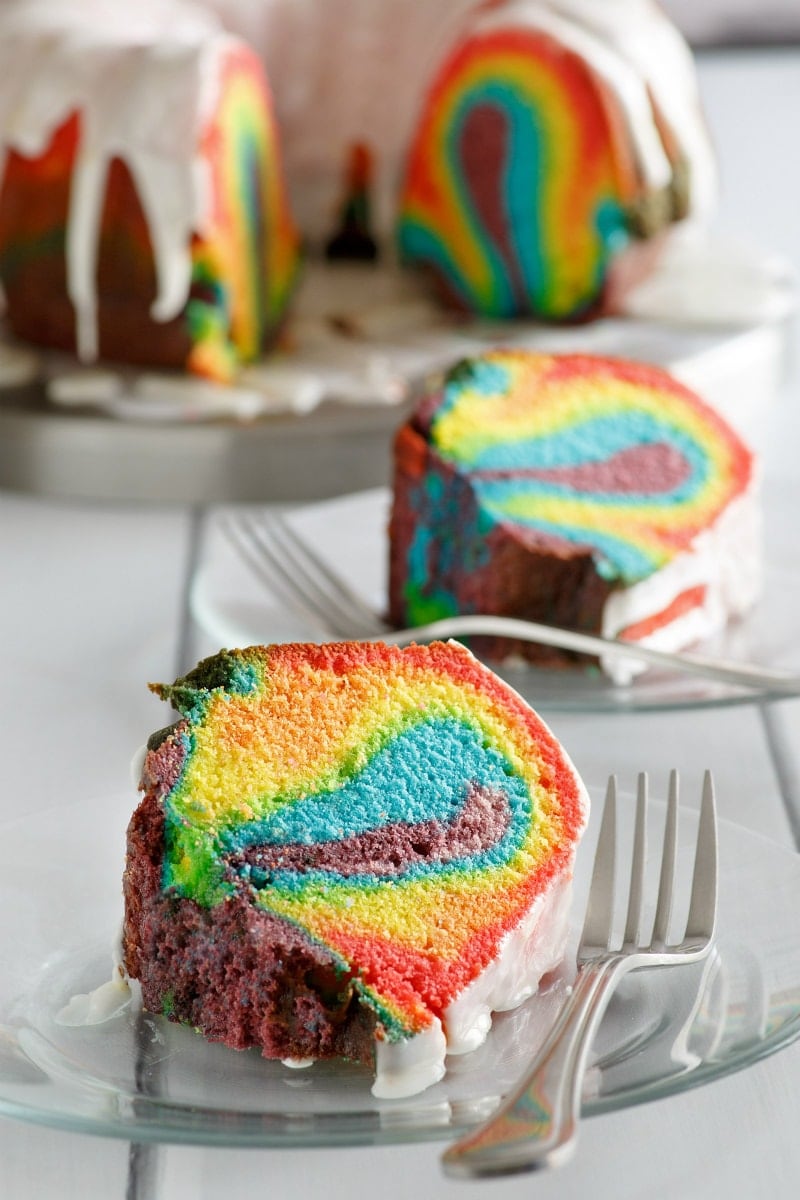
[[588, 493]]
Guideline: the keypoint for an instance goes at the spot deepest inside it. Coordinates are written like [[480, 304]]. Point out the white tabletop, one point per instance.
[[91, 607]]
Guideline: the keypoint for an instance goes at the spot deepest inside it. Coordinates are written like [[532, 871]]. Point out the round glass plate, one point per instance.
[[141, 1078], [232, 606]]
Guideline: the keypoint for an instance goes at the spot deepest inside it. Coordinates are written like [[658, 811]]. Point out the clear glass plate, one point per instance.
[[141, 1078], [231, 607]]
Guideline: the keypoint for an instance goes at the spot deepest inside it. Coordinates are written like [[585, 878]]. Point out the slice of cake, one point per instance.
[[588, 493], [349, 850]]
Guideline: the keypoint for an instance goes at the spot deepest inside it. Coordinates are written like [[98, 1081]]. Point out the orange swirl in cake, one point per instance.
[[393, 822]]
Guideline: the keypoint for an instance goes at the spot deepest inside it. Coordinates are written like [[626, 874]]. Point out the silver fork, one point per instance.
[[301, 579], [536, 1126]]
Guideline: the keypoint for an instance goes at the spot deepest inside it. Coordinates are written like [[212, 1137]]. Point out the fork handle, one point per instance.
[[740, 674], [536, 1126]]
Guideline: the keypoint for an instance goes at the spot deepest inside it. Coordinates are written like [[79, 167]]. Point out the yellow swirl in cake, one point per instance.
[[246, 259]]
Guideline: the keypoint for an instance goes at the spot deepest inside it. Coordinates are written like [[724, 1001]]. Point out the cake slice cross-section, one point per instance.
[[350, 850], [589, 493]]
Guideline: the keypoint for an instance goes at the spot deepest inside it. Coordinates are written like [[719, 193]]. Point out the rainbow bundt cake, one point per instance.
[[525, 154], [349, 850], [589, 493]]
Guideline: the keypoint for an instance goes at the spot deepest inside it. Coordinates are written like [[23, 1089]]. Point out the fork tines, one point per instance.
[[599, 922], [297, 575]]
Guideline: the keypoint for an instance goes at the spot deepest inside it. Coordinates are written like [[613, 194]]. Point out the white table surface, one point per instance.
[[91, 607]]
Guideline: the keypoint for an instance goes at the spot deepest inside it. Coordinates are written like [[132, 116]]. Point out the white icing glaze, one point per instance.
[[105, 1002], [698, 281], [96, 1007], [619, 75], [136, 768], [643, 35], [193, 397], [527, 953], [89, 386], [407, 1067], [726, 559], [18, 366], [283, 387]]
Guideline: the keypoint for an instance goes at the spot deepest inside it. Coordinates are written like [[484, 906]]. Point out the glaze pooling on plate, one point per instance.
[[398, 821]]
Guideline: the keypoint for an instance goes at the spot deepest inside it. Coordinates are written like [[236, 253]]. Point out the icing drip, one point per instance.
[[718, 577], [642, 34], [110, 999], [597, 47], [121, 75], [207, 176]]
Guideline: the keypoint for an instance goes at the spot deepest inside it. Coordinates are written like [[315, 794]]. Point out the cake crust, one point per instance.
[[242, 976]]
